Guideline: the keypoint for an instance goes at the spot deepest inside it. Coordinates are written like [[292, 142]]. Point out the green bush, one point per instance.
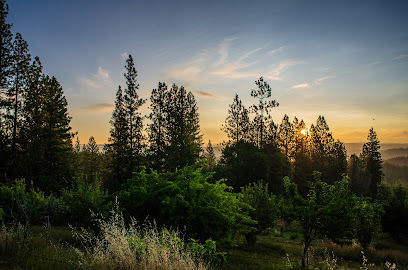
[[186, 199]]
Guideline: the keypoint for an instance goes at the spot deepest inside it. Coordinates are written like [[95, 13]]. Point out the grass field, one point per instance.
[[55, 249]]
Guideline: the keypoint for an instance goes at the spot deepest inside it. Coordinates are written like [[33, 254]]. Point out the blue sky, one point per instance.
[[346, 60]]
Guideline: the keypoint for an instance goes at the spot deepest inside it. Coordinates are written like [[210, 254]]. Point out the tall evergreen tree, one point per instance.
[[237, 123], [262, 109], [118, 144], [286, 136], [47, 132], [93, 159], [157, 127], [132, 103], [183, 129], [6, 49], [373, 162], [210, 156], [20, 69]]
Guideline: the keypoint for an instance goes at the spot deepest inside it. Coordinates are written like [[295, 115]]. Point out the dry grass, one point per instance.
[[135, 247]]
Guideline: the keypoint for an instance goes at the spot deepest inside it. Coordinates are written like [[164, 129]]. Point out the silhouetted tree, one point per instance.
[[373, 162], [210, 156], [183, 129], [237, 123], [359, 176], [262, 109], [6, 49], [118, 144], [157, 127], [47, 132], [286, 136], [131, 103]]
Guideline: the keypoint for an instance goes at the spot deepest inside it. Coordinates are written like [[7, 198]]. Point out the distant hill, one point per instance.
[[400, 161], [388, 150], [394, 153]]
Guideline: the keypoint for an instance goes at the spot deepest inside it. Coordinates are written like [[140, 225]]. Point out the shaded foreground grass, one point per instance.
[[57, 248]]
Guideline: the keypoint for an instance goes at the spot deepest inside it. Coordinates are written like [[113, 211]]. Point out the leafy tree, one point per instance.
[[262, 109], [264, 208], [183, 129], [237, 123], [368, 222], [372, 158], [394, 200], [157, 127], [359, 176], [186, 199], [327, 210], [245, 163]]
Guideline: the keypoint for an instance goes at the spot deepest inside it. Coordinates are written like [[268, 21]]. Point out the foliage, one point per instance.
[[209, 155], [371, 157], [262, 110], [237, 123], [394, 199], [264, 208], [28, 206], [244, 163], [81, 200], [182, 129], [185, 199], [332, 211]]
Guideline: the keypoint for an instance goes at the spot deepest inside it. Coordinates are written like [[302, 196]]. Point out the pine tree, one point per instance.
[[157, 127], [20, 69], [6, 49], [210, 156], [373, 162], [118, 144], [262, 109], [183, 129], [237, 123], [93, 159], [132, 102], [47, 136], [286, 136]]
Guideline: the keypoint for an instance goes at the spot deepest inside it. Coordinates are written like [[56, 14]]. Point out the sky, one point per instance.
[[345, 60]]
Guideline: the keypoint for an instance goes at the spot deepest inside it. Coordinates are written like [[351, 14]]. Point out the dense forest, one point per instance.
[[157, 168]]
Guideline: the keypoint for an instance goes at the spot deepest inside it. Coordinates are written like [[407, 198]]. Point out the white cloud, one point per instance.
[[124, 55], [276, 70], [278, 50], [101, 79], [301, 85], [224, 50], [402, 56], [310, 84]]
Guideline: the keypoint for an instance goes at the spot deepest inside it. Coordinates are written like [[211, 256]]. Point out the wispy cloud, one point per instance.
[[278, 50], [100, 79], [402, 56], [224, 50], [233, 69], [276, 70], [124, 55], [205, 94], [310, 84], [301, 85]]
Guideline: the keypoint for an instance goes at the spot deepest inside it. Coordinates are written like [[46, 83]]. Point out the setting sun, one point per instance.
[[304, 131]]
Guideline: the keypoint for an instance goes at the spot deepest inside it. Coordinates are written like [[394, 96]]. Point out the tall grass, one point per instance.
[[135, 247]]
